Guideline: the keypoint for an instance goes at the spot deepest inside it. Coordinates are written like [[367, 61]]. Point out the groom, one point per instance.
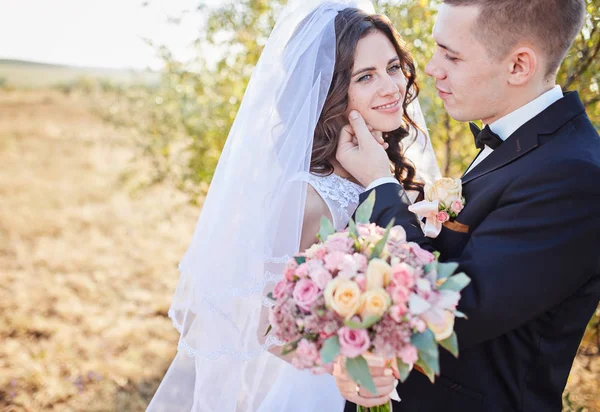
[[529, 236]]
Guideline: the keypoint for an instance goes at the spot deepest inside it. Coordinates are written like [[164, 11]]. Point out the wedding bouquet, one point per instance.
[[366, 291]]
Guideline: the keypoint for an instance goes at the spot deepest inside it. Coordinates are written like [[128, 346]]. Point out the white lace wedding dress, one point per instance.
[[297, 390]]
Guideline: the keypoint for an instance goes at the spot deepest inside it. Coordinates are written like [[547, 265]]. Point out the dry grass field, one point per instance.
[[87, 270]]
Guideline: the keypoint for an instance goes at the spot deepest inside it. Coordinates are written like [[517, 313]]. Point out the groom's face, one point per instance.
[[472, 85]]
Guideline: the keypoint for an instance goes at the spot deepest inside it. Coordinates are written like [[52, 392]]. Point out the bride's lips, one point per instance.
[[390, 107]]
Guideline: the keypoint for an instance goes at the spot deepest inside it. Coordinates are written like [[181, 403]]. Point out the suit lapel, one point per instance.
[[525, 139]]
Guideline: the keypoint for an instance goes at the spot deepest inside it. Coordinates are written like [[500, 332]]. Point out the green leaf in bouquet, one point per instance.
[[445, 270], [381, 244], [425, 342], [436, 255], [364, 211], [427, 370], [330, 350], [352, 229], [358, 369], [432, 361], [451, 344], [290, 346], [268, 330], [459, 314], [429, 267], [326, 229], [270, 296], [300, 259], [403, 369], [365, 324], [456, 282]]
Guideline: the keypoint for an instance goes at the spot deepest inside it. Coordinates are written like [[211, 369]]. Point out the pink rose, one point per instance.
[[422, 255], [361, 280], [320, 276], [409, 354], [340, 244], [290, 269], [443, 216], [399, 294], [457, 206], [353, 342], [302, 270], [305, 293], [361, 262], [333, 260], [398, 311], [403, 275], [283, 289]]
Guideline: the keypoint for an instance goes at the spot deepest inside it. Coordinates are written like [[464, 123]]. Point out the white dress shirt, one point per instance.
[[505, 126]]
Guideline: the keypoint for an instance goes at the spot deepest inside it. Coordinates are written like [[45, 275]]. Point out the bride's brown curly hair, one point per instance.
[[351, 25]]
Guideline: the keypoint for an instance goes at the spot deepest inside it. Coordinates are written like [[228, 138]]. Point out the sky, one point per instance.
[[95, 33]]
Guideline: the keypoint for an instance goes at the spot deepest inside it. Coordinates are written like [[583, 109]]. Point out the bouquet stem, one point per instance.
[[381, 408]]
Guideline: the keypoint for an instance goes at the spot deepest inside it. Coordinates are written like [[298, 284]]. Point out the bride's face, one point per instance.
[[377, 83]]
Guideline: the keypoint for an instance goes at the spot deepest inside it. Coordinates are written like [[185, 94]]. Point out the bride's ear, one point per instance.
[[523, 65]]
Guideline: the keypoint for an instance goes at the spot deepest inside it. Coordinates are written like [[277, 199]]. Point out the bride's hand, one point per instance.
[[382, 377], [377, 135]]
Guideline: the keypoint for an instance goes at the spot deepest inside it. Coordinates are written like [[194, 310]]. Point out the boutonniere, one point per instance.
[[443, 202]]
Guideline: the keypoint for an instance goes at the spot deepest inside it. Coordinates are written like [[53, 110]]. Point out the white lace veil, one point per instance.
[[251, 221]]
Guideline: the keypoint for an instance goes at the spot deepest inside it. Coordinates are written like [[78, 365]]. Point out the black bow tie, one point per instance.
[[484, 137]]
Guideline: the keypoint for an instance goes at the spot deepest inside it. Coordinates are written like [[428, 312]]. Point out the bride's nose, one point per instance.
[[388, 86]]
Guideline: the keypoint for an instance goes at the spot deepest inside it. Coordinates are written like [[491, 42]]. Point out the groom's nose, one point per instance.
[[433, 70]]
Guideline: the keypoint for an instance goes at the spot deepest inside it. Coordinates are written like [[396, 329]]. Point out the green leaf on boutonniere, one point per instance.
[[352, 229], [436, 255], [451, 344], [456, 282], [444, 270], [300, 259], [381, 244], [403, 369], [326, 229], [364, 211], [358, 369], [330, 350]]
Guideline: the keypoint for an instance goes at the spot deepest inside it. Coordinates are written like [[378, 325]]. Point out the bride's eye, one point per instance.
[[364, 78]]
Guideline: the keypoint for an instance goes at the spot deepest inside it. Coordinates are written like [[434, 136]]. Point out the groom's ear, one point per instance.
[[523, 65]]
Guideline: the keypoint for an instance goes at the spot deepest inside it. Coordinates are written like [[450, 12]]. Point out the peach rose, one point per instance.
[[343, 296]]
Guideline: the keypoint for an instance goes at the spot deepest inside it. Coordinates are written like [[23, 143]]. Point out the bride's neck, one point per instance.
[[340, 171]]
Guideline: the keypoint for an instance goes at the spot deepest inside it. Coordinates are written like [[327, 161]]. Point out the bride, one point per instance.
[[276, 177]]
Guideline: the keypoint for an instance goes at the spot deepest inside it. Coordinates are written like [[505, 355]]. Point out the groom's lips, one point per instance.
[[442, 93]]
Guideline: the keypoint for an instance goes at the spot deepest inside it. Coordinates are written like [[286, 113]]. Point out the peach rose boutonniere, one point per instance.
[[443, 202]]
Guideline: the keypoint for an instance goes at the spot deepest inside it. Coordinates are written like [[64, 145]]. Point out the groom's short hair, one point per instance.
[[550, 24]]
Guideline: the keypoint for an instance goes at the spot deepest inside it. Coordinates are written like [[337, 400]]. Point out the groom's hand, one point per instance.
[[360, 153]]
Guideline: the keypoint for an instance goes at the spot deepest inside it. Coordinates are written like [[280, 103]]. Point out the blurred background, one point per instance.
[[112, 118]]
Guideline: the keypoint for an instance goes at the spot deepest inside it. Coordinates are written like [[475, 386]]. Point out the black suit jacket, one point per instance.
[[532, 251]]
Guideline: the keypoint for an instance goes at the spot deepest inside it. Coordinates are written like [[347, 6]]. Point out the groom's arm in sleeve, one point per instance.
[[536, 249]]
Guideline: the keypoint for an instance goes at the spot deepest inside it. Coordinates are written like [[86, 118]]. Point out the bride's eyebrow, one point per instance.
[[368, 69]]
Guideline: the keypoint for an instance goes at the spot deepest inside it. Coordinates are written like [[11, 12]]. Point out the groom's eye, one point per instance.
[[395, 68], [452, 59]]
